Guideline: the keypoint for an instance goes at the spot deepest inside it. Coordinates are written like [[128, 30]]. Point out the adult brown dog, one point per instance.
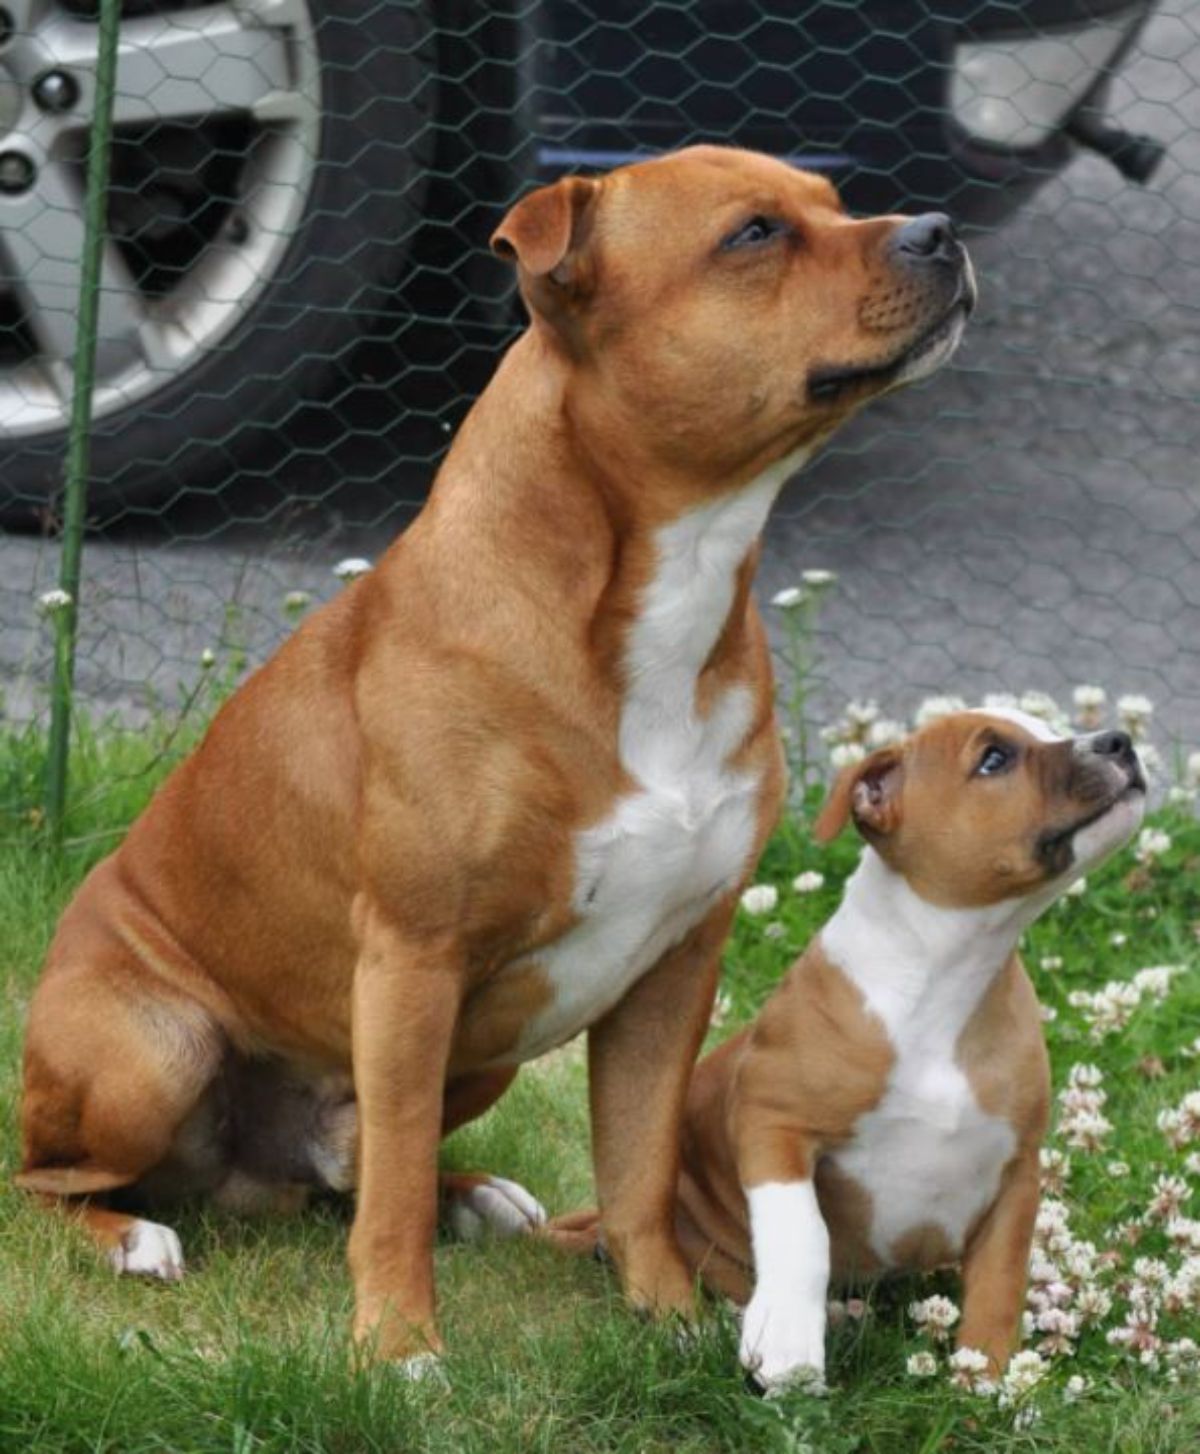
[[508, 785]]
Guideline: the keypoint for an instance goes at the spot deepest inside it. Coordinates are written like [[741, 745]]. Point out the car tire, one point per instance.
[[190, 427]]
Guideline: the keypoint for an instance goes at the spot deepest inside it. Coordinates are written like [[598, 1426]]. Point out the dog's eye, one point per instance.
[[994, 760], [755, 232]]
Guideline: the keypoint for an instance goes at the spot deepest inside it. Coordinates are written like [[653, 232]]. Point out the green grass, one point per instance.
[[250, 1353]]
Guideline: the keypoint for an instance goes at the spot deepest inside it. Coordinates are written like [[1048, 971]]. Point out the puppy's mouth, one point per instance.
[[1055, 845], [828, 383]]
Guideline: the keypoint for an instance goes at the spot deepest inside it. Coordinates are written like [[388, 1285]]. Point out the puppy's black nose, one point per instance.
[[930, 237], [1118, 745]]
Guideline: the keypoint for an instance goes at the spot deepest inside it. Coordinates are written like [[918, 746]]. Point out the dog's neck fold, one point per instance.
[[914, 961]]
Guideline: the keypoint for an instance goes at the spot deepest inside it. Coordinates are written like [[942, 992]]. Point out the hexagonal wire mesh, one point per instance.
[[297, 307]]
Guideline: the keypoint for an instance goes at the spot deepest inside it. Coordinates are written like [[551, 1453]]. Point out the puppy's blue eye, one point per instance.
[[754, 233], [994, 760]]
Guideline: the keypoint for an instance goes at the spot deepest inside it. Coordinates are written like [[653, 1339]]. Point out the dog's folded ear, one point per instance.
[[546, 232], [868, 792]]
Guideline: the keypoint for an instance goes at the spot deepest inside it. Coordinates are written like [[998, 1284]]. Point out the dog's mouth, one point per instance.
[[828, 383]]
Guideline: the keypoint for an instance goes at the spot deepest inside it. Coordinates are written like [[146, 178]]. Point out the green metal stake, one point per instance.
[[75, 472]]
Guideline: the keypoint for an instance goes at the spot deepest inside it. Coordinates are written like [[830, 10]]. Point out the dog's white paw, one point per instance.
[[149, 1249], [783, 1344], [493, 1207]]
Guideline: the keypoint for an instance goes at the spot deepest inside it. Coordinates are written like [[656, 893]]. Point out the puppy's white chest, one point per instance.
[[928, 1155]]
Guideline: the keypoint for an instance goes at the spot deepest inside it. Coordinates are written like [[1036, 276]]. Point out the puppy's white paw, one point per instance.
[[149, 1249], [493, 1207], [423, 1368], [783, 1344]]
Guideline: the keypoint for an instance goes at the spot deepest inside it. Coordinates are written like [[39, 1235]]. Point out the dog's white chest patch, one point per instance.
[[646, 874], [927, 1155]]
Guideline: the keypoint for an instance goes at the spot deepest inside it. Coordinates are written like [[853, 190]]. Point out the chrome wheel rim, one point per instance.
[[195, 74]]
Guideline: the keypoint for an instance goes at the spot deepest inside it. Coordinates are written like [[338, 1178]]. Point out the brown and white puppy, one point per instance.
[[885, 1110], [509, 785]]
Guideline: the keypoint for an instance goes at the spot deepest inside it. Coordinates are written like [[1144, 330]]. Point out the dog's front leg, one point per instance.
[[407, 996], [640, 1060], [783, 1327]]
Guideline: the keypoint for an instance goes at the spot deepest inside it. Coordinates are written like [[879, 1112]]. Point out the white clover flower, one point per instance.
[[1087, 698], [1075, 1388], [1051, 962], [1079, 1261], [1085, 1077], [1152, 843], [1183, 1233], [1182, 1292], [808, 882], [1086, 1131], [1191, 1164], [1118, 938], [1109, 1009], [1043, 706], [760, 899], [1078, 888], [1024, 1372], [921, 1365], [968, 1368], [1117, 1169], [885, 732], [1181, 1124], [1134, 712], [789, 598], [1061, 1328], [1152, 1275], [846, 754], [939, 706], [1179, 796], [818, 580], [1182, 1359], [296, 601], [1055, 1170], [775, 930], [1048, 1014], [1191, 771], [53, 603], [208, 658], [862, 714], [1156, 979], [351, 568], [935, 1315], [1093, 1304], [1000, 702]]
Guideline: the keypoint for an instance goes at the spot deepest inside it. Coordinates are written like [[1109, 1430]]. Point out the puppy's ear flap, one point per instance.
[[545, 231], [868, 792]]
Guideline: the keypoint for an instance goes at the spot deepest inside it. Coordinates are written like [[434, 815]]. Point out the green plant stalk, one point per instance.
[[78, 440]]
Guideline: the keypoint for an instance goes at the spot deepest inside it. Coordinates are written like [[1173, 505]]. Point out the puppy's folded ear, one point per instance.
[[546, 232], [868, 792]]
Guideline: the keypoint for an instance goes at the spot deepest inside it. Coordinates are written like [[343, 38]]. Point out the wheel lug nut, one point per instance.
[[56, 91], [16, 172]]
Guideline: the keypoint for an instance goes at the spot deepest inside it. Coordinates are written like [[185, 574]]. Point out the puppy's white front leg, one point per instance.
[[783, 1329]]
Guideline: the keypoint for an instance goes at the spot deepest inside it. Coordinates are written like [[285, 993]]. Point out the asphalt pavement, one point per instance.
[[1028, 518]]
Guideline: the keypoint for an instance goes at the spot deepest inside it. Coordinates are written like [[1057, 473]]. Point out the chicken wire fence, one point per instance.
[[296, 305]]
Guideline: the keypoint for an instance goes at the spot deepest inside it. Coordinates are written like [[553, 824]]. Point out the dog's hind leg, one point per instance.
[[114, 1088]]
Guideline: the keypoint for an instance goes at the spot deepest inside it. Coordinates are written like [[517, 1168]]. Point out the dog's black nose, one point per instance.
[[927, 238], [1118, 745]]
